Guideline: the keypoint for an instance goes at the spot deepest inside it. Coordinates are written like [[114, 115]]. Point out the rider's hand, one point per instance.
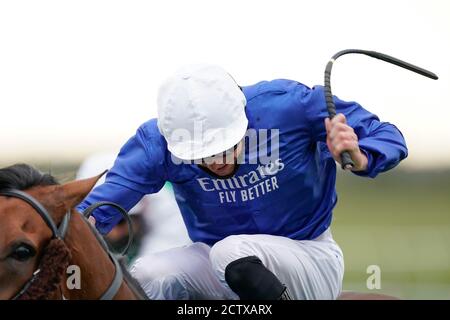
[[341, 137], [92, 220]]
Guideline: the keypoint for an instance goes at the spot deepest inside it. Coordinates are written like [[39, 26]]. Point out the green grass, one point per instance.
[[400, 222]]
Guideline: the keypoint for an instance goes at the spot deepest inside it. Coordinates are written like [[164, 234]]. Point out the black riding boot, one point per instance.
[[251, 280]]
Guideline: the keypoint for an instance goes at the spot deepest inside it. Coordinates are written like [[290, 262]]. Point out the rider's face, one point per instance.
[[223, 164]]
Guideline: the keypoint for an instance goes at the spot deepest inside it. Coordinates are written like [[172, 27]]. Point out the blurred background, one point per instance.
[[78, 78]]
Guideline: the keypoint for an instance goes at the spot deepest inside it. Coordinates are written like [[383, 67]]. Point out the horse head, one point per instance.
[[26, 241]]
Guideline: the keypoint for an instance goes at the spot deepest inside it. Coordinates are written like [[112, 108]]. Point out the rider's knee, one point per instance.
[[228, 250]]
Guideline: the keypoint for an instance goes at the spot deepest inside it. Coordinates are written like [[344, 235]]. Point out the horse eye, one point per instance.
[[23, 252]]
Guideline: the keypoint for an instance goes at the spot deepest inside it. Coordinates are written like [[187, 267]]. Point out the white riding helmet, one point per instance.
[[201, 112]]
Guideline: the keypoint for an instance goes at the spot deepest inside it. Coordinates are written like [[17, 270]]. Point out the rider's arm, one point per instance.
[[138, 170], [381, 142]]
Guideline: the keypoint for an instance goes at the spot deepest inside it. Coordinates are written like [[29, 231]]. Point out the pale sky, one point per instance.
[[78, 77]]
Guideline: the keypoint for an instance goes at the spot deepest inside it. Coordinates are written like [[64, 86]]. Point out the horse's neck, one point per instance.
[[96, 269]]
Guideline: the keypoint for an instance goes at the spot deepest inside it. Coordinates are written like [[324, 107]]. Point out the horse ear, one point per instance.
[[75, 191]]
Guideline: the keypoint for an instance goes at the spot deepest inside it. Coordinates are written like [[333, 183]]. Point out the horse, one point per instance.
[[35, 258]]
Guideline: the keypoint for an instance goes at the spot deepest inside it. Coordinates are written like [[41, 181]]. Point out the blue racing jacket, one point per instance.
[[292, 196]]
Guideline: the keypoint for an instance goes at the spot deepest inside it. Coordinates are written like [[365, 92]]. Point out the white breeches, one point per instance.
[[311, 269]]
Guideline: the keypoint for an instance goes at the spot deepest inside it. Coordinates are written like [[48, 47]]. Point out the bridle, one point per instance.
[[57, 233], [60, 233]]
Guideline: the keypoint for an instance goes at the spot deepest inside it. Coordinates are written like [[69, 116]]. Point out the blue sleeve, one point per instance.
[[138, 170], [382, 143]]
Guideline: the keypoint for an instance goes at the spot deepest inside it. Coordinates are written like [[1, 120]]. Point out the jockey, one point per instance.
[[253, 171]]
